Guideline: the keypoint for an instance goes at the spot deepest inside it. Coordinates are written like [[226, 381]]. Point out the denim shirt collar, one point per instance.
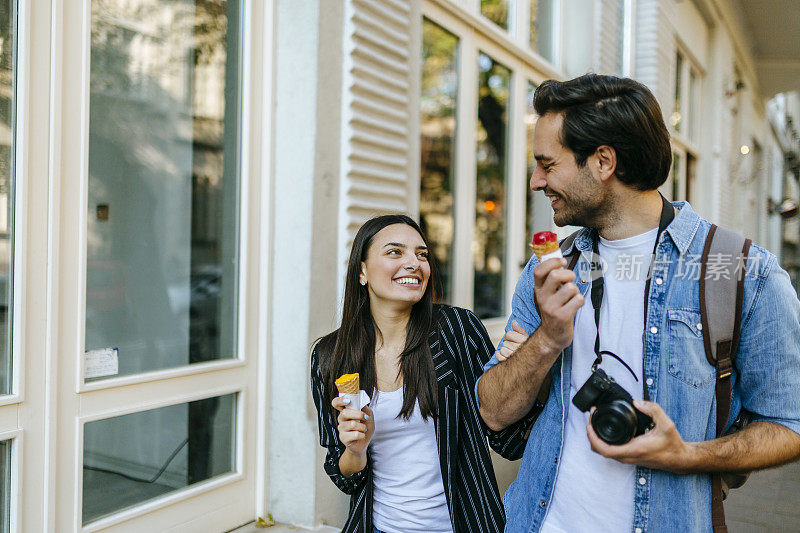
[[681, 230]]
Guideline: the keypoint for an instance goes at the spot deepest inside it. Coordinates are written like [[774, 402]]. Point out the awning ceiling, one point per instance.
[[774, 35]]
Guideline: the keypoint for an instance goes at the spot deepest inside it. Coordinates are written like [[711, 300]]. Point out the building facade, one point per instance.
[[180, 182]]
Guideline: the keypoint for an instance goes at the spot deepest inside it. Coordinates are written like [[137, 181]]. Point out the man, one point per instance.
[[602, 150]]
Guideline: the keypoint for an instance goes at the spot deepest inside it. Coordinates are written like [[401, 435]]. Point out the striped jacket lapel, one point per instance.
[[447, 420]]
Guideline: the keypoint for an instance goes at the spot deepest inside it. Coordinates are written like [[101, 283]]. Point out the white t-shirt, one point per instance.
[[593, 493], [408, 490]]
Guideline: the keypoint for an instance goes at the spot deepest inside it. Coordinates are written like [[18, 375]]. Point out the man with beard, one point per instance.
[[602, 150]]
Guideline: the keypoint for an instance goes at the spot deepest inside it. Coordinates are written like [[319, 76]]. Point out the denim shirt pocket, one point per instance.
[[687, 356]]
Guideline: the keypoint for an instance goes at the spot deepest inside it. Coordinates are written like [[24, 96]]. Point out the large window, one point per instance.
[[8, 39], [530, 165], [125, 462], [437, 146], [476, 130], [686, 102], [685, 122], [162, 239], [490, 203]]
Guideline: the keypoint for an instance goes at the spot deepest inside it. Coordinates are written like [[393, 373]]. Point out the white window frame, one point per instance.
[[689, 121], [172, 497], [477, 34], [201, 505], [682, 144], [20, 227]]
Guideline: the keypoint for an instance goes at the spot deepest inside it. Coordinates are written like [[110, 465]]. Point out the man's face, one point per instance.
[[575, 195]]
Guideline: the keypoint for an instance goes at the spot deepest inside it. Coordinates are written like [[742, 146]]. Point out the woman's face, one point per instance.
[[396, 269]]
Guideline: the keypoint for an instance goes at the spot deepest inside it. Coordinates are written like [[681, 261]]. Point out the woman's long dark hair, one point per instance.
[[351, 348]]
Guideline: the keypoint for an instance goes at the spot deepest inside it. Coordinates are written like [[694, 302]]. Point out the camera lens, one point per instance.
[[615, 422]]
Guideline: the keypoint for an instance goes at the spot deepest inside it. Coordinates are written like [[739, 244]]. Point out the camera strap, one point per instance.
[[667, 215]]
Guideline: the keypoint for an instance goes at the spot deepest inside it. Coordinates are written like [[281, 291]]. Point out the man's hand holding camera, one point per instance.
[[661, 448]]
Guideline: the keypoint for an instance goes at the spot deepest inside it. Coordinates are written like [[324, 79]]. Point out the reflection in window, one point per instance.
[[541, 28], [489, 242], [530, 165], [163, 180], [8, 39], [496, 11], [437, 145], [676, 117], [144, 455], [5, 486]]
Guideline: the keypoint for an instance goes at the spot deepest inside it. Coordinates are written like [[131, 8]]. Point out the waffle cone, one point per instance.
[[544, 249], [348, 383]]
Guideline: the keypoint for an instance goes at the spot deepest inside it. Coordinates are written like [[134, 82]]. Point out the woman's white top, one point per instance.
[[408, 490]]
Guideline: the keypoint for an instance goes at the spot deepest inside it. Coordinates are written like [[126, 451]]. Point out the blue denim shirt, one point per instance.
[[766, 379]]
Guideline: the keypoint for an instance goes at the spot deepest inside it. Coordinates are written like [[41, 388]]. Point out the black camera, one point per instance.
[[616, 420]]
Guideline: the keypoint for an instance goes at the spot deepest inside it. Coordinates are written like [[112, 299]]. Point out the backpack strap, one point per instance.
[[722, 271]]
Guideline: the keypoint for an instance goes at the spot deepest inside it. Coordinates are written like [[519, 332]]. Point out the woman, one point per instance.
[[416, 459]]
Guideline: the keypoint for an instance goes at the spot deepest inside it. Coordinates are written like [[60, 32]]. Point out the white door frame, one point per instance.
[[222, 502]]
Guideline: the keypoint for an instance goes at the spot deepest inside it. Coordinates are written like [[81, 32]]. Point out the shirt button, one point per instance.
[[543, 504], [637, 530], [653, 330], [649, 381], [659, 281], [642, 481], [700, 327]]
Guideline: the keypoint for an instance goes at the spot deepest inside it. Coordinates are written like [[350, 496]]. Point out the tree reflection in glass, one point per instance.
[[489, 242], [163, 182], [496, 11], [7, 129], [530, 164], [437, 145]]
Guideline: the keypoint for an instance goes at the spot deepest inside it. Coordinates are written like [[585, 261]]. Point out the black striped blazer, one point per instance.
[[460, 347]]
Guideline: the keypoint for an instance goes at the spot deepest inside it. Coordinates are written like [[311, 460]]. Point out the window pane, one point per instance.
[[692, 104], [437, 145], [130, 459], [676, 118], [676, 177], [530, 165], [489, 242], [496, 11], [163, 183], [5, 486], [8, 39], [541, 28]]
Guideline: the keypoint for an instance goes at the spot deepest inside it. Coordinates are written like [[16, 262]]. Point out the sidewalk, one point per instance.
[[281, 528], [768, 502]]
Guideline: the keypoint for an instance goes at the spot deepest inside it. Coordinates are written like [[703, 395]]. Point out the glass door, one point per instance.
[[157, 354]]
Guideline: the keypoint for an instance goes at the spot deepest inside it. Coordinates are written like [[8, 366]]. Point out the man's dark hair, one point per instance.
[[618, 112]]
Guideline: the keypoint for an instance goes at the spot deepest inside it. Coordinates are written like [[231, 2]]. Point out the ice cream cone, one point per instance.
[[348, 383], [544, 243]]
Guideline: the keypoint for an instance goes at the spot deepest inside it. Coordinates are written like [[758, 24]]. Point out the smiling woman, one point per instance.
[[417, 361]]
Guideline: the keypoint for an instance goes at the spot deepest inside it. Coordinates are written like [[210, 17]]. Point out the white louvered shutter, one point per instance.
[[380, 113], [610, 26], [655, 50]]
